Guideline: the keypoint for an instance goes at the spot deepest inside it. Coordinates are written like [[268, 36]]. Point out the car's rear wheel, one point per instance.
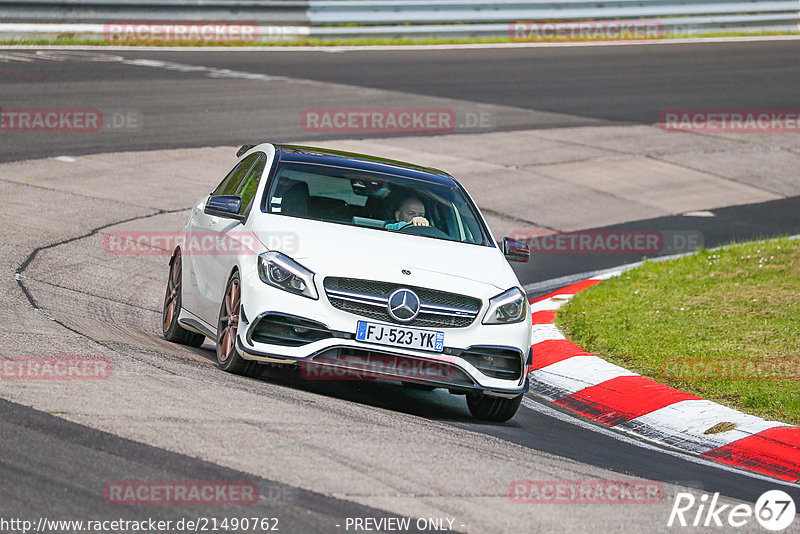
[[228, 358], [170, 327], [496, 409]]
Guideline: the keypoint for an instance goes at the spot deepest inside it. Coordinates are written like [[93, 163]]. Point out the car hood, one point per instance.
[[342, 250]]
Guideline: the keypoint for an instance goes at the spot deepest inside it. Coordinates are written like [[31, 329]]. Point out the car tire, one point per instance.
[[228, 358], [170, 327], [496, 409]]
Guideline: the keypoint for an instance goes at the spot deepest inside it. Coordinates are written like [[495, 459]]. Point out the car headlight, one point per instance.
[[283, 272], [507, 307]]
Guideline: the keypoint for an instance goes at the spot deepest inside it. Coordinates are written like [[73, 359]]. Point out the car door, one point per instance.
[[204, 294], [233, 238]]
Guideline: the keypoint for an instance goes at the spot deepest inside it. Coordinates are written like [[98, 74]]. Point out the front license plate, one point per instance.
[[399, 336]]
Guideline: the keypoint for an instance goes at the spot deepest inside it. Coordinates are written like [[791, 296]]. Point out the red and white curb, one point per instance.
[[581, 382]]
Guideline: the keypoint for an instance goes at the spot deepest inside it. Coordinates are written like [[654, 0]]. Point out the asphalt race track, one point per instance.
[[557, 87], [319, 452]]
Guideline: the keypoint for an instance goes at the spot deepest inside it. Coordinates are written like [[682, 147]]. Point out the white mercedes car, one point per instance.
[[352, 267]]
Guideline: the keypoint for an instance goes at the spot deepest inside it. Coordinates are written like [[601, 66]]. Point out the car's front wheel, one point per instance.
[[496, 409], [170, 327], [228, 358]]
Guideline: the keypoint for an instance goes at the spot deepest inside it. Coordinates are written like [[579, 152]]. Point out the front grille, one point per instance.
[[367, 298], [496, 362]]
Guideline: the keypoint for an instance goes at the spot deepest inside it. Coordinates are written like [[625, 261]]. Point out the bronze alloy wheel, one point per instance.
[[228, 358], [172, 308], [228, 321], [172, 299]]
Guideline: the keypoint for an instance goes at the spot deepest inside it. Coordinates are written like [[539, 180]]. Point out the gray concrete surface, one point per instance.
[[574, 178]]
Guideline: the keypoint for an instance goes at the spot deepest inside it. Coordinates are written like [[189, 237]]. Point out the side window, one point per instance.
[[247, 190], [230, 183]]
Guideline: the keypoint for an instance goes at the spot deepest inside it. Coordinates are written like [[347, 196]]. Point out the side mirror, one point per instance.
[[227, 206], [516, 250]]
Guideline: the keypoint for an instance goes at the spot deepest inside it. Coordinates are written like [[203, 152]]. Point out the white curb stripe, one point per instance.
[[552, 303], [545, 332], [576, 373], [684, 424], [610, 274]]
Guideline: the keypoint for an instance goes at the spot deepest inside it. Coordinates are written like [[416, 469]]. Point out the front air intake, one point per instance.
[[287, 330]]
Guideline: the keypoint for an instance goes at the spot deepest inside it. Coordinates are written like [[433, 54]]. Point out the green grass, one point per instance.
[[68, 40], [722, 324]]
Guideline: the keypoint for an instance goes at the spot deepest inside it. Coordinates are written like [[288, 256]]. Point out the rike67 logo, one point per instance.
[[774, 510]]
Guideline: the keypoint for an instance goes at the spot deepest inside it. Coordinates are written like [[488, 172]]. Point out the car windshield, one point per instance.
[[374, 200]]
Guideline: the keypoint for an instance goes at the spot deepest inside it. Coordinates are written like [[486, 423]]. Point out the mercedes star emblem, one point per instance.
[[403, 305]]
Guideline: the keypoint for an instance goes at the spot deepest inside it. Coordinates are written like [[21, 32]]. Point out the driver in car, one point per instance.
[[410, 212]]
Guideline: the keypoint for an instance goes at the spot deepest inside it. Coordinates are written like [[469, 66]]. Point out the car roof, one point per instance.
[[325, 156]]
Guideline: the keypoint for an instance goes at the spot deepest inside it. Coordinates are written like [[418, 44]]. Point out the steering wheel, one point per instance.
[[430, 231]]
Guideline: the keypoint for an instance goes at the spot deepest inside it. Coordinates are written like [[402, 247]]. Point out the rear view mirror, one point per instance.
[[227, 206], [369, 188], [515, 250]]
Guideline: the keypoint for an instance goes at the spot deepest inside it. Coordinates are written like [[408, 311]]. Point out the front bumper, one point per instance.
[[346, 361], [332, 352]]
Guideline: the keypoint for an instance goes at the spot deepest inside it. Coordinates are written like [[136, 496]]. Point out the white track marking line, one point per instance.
[[211, 72], [11, 56]]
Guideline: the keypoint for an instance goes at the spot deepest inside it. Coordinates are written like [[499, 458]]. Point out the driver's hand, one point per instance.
[[420, 221]]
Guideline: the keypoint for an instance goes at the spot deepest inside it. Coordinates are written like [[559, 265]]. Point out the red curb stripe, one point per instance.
[[571, 289], [553, 351], [577, 287], [544, 317], [623, 398], [774, 452]]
